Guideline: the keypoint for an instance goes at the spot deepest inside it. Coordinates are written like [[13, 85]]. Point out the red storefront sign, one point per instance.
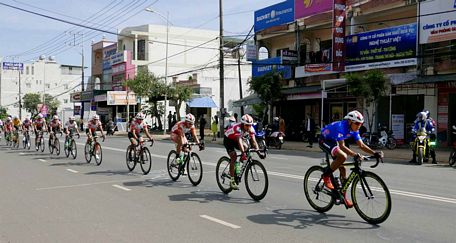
[[339, 17]]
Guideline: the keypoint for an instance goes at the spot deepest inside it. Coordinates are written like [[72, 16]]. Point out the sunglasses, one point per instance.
[[358, 123]]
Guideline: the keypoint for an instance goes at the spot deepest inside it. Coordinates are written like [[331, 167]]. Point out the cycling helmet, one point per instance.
[[40, 115], [190, 118], [26, 119], [247, 119], [140, 116], [355, 116], [72, 118], [8, 119], [55, 117], [95, 117]]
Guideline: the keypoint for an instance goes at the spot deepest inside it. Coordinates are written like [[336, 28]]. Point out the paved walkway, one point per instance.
[[442, 154]]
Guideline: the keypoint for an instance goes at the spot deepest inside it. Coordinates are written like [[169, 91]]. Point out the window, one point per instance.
[[65, 101], [263, 53], [28, 85], [36, 81], [55, 84], [141, 49], [33, 70], [27, 70], [48, 86], [71, 68], [65, 86]]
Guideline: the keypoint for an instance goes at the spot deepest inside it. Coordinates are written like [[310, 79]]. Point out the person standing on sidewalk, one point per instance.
[[202, 125], [214, 129], [310, 130]]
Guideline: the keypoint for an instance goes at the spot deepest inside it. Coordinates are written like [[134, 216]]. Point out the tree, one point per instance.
[[31, 100], [179, 94], [147, 85], [3, 113], [369, 86], [267, 87], [52, 103]]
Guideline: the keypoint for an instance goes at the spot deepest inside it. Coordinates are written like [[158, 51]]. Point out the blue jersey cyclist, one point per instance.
[[332, 142]]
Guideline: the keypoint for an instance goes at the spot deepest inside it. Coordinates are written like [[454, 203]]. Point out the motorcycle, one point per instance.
[[382, 139], [274, 139], [260, 136], [422, 146]]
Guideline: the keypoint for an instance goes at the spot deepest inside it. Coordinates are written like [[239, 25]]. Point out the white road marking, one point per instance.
[[220, 222], [21, 153], [42, 160], [122, 188], [274, 157], [87, 184], [74, 171]]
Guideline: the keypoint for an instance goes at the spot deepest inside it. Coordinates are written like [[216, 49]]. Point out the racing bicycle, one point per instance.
[[92, 148], [139, 154], [70, 146], [191, 160]]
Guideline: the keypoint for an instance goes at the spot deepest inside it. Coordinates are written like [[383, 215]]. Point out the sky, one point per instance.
[[24, 36]]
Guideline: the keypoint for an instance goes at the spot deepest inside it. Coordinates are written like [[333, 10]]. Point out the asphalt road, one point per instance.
[[54, 199]]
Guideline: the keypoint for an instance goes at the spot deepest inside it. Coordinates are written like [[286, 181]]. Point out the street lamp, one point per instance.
[[166, 60]]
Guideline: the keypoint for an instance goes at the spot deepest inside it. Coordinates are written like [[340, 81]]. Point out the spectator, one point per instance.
[[174, 121], [310, 129], [235, 117], [170, 119], [202, 124], [281, 125], [214, 129]]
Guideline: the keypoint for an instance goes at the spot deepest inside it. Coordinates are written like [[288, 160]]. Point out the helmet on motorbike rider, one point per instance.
[[190, 118], [422, 116], [428, 114], [355, 116], [247, 119]]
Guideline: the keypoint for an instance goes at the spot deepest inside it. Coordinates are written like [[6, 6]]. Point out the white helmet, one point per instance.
[[190, 118], [40, 115], [140, 116], [247, 119], [72, 118], [355, 116], [95, 117], [8, 119], [422, 116], [55, 117]]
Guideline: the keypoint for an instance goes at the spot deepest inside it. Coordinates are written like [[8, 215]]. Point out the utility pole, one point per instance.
[[222, 73], [20, 95], [82, 66], [240, 79]]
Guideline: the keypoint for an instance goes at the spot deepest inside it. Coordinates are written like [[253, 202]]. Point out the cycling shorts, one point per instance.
[[329, 146], [230, 144]]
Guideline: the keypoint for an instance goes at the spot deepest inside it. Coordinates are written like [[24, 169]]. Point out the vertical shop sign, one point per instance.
[[339, 35]]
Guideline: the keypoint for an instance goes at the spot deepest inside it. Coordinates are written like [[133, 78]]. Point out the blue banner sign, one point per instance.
[[388, 44], [13, 66], [262, 67], [274, 15]]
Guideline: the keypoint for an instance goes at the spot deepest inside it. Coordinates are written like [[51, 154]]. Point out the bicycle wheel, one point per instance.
[[146, 161], [371, 198], [319, 197], [73, 149], [130, 158], [24, 142], [57, 146], [194, 169], [37, 144], [222, 174], [391, 143], [67, 148], [97, 153], [28, 142], [173, 167], [87, 152], [256, 180], [452, 159], [50, 146], [42, 144]]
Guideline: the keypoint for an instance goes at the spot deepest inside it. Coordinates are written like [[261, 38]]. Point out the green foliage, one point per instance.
[[52, 103], [30, 101], [371, 85], [179, 94], [267, 87], [3, 113]]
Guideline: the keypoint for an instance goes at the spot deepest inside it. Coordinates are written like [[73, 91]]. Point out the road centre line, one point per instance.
[[85, 184], [42, 160], [220, 222], [122, 188], [73, 171], [298, 177]]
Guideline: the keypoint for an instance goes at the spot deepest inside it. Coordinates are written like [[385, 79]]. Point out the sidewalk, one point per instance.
[[442, 154]]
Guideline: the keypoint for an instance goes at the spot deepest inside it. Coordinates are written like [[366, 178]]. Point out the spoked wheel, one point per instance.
[[24, 142], [42, 144], [73, 149], [195, 169], [28, 142], [57, 146], [87, 153], [37, 144], [319, 197], [146, 161], [50, 146], [371, 198], [391, 143], [256, 180], [130, 158], [67, 148], [222, 174], [420, 156], [173, 167], [452, 159], [97, 153]]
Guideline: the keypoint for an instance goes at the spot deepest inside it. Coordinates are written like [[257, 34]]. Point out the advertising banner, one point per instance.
[[397, 125], [120, 98], [107, 53], [339, 17], [77, 110], [13, 66], [43, 109], [274, 15], [313, 69], [289, 56], [305, 8], [436, 26], [262, 67], [75, 97], [251, 53], [386, 47]]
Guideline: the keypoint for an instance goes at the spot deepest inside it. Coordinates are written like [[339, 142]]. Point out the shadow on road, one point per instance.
[[113, 172], [301, 219], [152, 182], [209, 196], [70, 163]]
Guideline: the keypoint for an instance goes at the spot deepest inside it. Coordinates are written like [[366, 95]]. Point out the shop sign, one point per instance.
[[13, 66], [251, 53], [397, 125], [120, 68], [100, 98], [308, 8], [437, 21], [265, 66], [77, 110], [107, 53], [86, 95], [120, 98], [75, 97], [103, 110], [384, 48], [339, 16], [119, 57], [274, 15], [289, 56]]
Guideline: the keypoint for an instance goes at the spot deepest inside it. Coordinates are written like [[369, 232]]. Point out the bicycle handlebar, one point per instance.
[[367, 158]]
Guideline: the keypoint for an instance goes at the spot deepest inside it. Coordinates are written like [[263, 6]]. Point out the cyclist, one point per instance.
[[26, 126], [92, 126], [137, 126], [17, 123], [8, 128], [39, 125], [70, 127], [178, 135], [332, 142], [55, 126], [423, 122], [233, 139]]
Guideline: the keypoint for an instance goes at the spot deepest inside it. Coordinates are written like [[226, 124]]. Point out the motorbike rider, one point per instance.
[[421, 122]]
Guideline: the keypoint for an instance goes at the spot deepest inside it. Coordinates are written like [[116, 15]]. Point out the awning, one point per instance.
[[249, 100], [432, 79], [203, 102]]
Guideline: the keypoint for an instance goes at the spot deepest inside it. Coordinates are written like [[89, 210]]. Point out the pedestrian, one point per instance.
[[235, 115], [310, 129], [174, 121], [202, 125], [281, 125], [170, 119], [214, 129]]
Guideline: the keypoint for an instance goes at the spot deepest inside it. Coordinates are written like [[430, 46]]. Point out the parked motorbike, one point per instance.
[[274, 139], [260, 136], [422, 146], [383, 138]]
